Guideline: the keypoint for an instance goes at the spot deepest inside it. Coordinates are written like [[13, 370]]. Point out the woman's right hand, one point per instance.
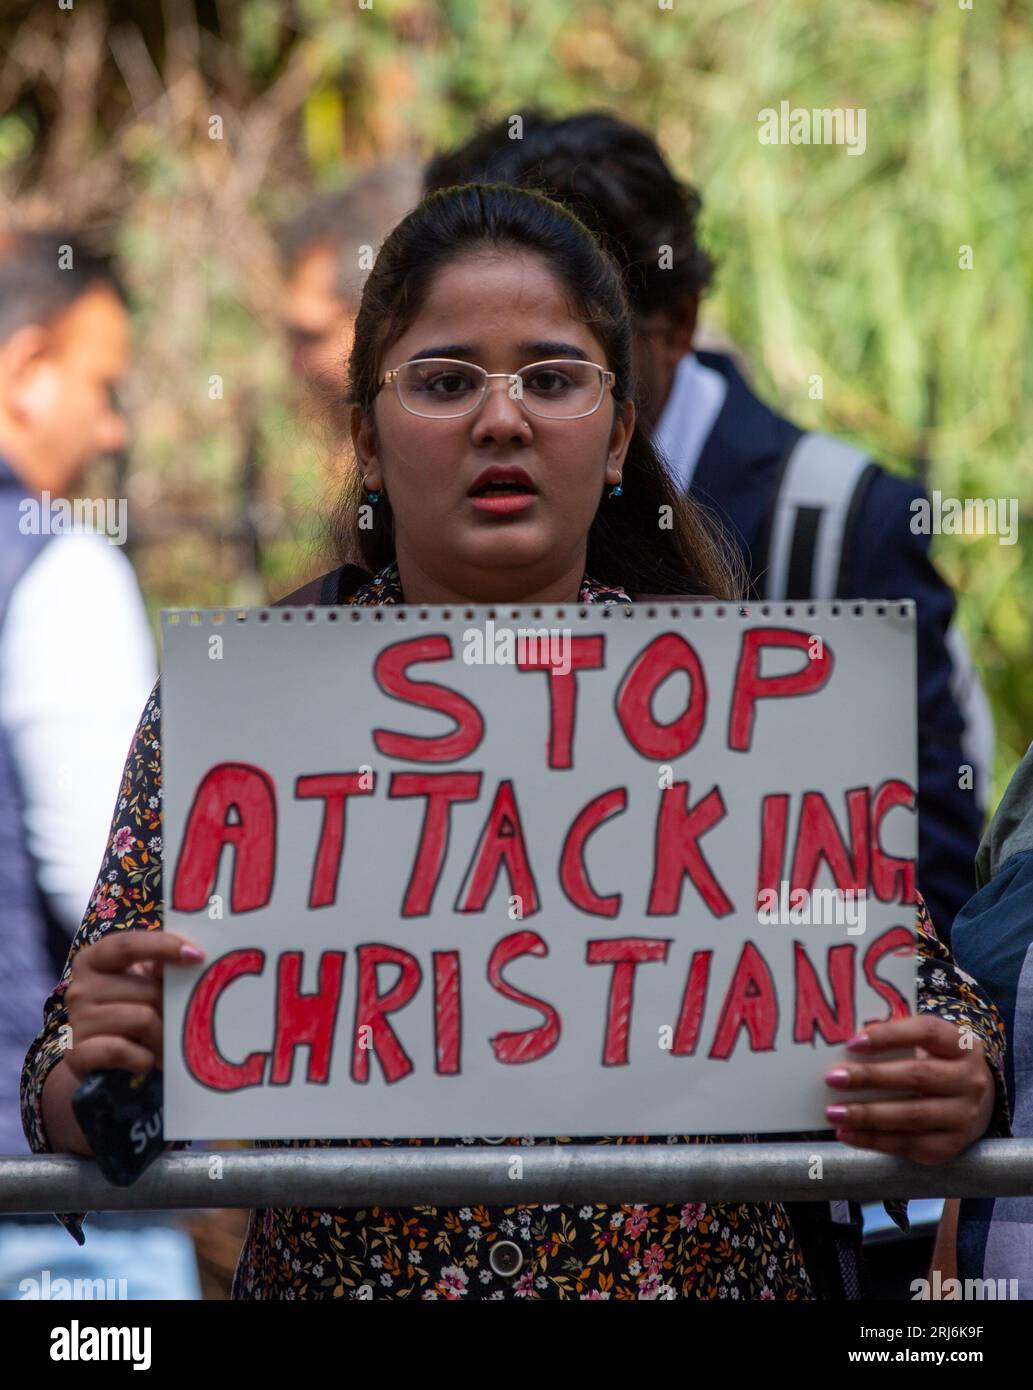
[[113, 998]]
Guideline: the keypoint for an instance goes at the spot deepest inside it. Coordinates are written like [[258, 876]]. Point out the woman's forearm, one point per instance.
[[59, 1121]]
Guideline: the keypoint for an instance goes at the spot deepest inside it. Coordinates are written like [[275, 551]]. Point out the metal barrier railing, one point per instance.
[[507, 1176]]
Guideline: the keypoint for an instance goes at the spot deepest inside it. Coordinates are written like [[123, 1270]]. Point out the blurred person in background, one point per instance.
[[76, 659], [991, 1238], [813, 517], [328, 250]]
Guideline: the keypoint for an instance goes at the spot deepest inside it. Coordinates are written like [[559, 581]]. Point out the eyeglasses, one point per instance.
[[440, 388]]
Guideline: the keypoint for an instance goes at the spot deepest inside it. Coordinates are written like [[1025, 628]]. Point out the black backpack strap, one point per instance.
[[348, 579], [829, 1235], [328, 590]]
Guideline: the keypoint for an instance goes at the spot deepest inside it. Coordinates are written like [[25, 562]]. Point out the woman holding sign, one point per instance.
[[499, 462]]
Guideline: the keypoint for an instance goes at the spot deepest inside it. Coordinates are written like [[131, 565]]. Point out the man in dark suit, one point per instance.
[[812, 516]]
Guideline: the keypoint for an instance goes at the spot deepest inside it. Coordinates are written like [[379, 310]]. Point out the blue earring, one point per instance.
[[616, 491], [374, 497]]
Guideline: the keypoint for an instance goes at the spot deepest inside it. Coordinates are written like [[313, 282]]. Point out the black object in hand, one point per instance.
[[121, 1116]]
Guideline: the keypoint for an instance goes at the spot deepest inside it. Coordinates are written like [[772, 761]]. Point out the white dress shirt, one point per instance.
[[689, 414], [76, 666]]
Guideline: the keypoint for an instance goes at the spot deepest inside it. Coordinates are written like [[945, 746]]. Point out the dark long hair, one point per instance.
[[650, 539]]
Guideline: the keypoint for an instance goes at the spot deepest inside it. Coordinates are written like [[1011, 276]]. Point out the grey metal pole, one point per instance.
[[499, 1176]]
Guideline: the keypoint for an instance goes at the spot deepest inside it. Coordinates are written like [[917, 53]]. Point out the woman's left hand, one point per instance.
[[948, 1090]]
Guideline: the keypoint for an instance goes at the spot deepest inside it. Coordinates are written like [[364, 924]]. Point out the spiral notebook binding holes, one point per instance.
[[783, 610]]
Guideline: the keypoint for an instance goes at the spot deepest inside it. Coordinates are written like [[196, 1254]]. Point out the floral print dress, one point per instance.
[[595, 1251]]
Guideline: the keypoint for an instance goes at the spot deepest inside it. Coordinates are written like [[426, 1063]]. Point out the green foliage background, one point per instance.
[[831, 265]]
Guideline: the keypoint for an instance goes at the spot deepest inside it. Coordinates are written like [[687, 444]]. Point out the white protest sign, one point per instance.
[[515, 872]]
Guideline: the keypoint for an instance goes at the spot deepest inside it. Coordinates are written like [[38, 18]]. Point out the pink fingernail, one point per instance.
[[862, 1040], [190, 953], [836, 1112], [839, 1077]]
